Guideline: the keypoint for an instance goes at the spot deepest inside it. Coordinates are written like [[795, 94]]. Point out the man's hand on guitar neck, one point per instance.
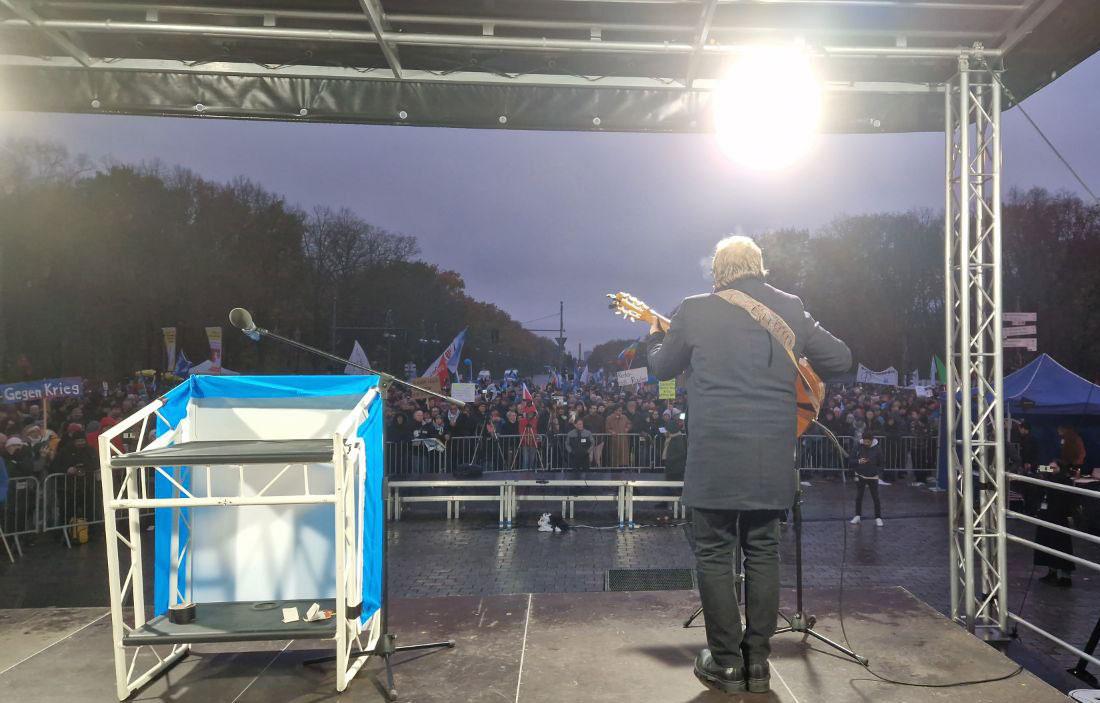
[[657, 326]]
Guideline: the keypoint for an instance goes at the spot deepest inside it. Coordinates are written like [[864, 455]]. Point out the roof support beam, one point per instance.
[[20, 8], [377, 18], [476, 41], [1039, 11], [709, 8]]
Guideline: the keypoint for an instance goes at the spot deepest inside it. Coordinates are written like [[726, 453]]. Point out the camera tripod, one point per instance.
[[798, 621]]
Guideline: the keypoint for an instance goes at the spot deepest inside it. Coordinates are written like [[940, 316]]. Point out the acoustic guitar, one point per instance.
[[809, 389]]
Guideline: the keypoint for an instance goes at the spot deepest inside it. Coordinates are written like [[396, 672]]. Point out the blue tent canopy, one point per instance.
[[1045, 387]]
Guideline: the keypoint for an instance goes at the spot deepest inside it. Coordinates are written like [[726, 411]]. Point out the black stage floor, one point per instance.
[[541, 648]]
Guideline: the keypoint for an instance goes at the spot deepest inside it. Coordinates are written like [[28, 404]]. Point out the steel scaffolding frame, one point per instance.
[[972, 319]]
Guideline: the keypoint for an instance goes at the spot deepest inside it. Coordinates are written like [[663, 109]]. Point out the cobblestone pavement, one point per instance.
[[431, 556]]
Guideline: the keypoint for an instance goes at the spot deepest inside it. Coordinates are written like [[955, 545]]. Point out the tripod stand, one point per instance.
[[386, 646], [526, 440], [799, 621]]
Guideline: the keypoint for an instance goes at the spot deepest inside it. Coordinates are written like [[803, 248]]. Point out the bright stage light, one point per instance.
[[767, 107]]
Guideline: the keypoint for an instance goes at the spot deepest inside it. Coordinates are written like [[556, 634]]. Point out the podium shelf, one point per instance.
[[231, 453], [243, 621]]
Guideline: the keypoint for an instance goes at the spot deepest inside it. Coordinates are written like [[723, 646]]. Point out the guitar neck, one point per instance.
[[660, 318]]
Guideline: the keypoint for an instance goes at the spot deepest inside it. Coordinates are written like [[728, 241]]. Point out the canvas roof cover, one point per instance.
[[625, 65]]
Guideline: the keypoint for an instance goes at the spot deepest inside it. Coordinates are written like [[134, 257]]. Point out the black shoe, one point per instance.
[[717, 678], [759, 677], [1051, 577], [1065, 582]]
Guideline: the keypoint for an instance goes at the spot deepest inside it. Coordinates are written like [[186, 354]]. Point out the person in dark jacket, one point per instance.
[[579, 444], [1056, 507], [867, 462], [740, 473]]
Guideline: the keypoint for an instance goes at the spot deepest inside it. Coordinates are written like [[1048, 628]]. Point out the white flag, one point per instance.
[[358, 356]]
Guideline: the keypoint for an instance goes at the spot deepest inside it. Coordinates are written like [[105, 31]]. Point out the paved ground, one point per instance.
[[434, 557]]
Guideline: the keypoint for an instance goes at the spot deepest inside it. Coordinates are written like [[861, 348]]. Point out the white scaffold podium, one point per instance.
[[268, 495]]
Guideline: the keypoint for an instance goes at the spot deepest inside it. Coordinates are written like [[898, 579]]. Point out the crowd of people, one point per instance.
[[584, 426], [60, 436], [605, 426], [580, 426]]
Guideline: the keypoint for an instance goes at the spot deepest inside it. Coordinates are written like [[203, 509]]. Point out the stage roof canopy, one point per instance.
[[622, 65]]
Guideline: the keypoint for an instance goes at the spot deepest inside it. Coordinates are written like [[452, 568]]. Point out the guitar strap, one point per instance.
[[775, 325]]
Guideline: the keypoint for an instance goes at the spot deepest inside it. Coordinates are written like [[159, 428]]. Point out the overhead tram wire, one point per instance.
[[1042, 135]]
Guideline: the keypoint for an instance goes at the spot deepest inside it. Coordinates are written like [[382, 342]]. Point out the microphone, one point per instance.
[[242, 320]]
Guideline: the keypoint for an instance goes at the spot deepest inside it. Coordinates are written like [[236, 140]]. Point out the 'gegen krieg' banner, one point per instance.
[[39, 390]]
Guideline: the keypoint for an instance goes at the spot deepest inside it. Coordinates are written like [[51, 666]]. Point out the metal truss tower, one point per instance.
[[973, 317]]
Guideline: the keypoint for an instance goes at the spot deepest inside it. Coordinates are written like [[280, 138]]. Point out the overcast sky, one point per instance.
[[532, 218]]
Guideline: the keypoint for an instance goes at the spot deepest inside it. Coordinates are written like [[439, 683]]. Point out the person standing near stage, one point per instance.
[[867, 462], [740, 473]]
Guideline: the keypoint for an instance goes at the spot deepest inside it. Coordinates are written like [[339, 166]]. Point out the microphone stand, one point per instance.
[[386, 379], [386, 646]]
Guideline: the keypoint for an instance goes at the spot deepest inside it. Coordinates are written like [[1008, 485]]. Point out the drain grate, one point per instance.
[[649, 580]]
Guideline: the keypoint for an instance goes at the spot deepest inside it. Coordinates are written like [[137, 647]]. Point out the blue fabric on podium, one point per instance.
[[241, 387]]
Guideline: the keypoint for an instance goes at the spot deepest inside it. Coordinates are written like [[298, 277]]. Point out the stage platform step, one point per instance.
[[550, 647], [252, 621]]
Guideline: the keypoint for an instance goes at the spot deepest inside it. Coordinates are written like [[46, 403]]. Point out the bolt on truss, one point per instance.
[[973, 317]]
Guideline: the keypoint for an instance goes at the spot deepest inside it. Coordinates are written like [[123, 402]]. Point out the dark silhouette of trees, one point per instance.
[[94, 260]]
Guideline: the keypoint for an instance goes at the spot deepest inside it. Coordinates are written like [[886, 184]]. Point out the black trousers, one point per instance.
[[716, 532], [870, 484]]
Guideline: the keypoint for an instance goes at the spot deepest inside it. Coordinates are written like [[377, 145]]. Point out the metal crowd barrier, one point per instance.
[[19, 514], [899, 453], [1063, 529], [68, 498], [631, 452]]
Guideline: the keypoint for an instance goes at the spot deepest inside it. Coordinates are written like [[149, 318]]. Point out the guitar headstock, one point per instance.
[[630, 308]]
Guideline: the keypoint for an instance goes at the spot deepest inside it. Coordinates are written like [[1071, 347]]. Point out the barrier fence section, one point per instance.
[[911, 453], [630, 452], [19, 513], [1047, 505]]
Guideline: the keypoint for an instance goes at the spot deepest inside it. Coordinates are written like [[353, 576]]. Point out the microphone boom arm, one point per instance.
[[386, 379]]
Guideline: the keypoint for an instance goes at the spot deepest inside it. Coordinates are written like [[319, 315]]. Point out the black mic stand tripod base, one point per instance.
[[799, 621]]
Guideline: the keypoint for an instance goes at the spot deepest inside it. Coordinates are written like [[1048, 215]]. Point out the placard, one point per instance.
[[432, 383], [666, 390], [40, 390], [633, 376], [466, 392]]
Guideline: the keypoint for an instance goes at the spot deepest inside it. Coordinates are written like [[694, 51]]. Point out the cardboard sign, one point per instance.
[[432, 383], [633, 376], [466, 392], [666, 390]]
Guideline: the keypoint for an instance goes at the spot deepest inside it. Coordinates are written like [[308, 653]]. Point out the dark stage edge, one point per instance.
[[548, 648]]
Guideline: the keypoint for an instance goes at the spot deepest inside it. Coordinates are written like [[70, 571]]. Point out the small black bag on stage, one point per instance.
[[468, 471]]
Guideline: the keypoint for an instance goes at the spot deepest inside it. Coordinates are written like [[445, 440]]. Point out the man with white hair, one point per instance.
[[740, 473]]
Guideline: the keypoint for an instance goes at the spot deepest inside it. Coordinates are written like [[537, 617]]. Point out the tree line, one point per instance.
[[96, 259], [876, 280]]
